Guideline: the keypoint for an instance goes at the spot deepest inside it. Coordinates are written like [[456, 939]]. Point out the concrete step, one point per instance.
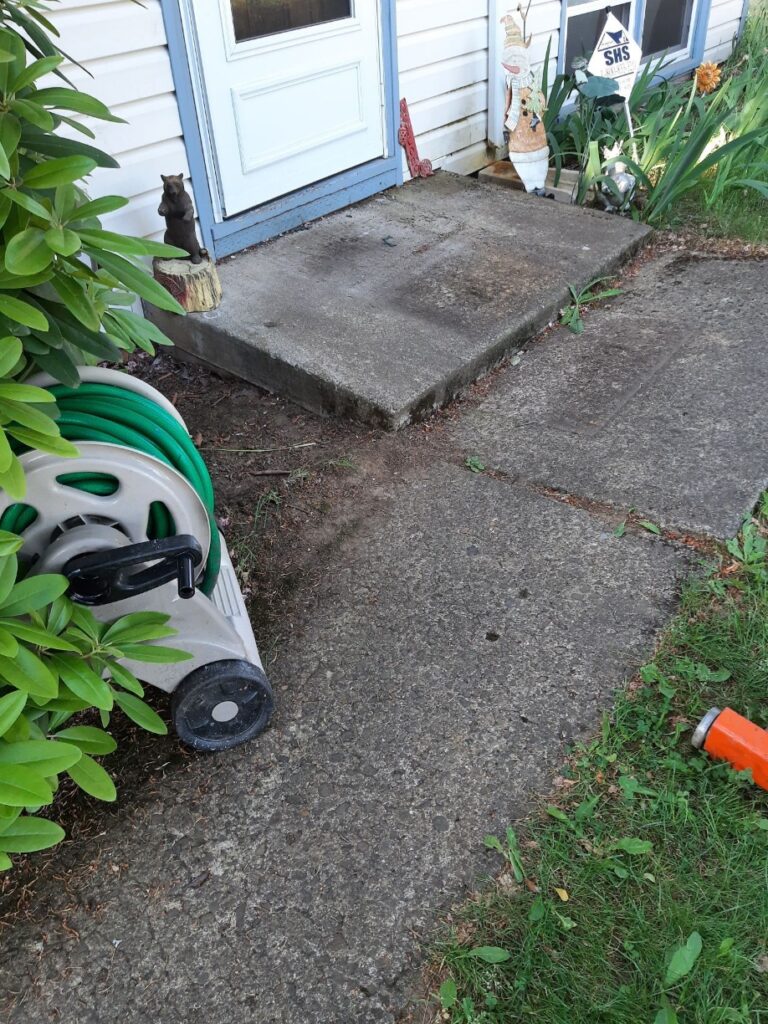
[[388, 309], [503, 173]]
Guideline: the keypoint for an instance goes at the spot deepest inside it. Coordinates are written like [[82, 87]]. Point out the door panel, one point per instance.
[[289, 106]]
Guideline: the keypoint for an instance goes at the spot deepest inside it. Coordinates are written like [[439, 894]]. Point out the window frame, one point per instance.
[[677, 61]]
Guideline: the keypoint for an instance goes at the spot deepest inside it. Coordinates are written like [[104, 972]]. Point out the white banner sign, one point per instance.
[[617, 55]]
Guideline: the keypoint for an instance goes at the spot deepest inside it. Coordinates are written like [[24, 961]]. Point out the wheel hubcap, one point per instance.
[[225, 711]]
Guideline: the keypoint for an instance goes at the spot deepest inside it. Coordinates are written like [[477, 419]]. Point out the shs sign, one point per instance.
[[617, 56]]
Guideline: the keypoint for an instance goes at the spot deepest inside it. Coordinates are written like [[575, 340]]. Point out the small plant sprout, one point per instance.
[[571, 315], [474, 464]]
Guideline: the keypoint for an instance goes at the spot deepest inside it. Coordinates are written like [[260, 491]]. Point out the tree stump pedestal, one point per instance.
[[195, 286]]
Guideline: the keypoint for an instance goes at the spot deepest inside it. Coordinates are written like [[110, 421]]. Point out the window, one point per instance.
[[666, 26], [662, 26], [584, 21], [254, 18]]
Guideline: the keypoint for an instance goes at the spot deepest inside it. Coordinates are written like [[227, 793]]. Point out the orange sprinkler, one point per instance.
[[731, 737]]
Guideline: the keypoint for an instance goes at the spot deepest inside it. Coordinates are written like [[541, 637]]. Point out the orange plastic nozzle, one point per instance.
[[731, 737]]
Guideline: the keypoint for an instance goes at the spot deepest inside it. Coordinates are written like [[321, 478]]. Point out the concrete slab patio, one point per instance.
[[451, 654], [660, 405], [466, 628], [385, 311]]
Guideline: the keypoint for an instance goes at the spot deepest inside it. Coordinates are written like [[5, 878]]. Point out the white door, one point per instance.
[[293, 90]]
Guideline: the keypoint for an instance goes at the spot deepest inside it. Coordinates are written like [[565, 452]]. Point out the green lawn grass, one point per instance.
[[652, 847], [739, 213]]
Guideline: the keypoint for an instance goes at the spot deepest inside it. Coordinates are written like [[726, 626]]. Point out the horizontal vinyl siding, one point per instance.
[[123, 46], [723, 27], [443, 64]]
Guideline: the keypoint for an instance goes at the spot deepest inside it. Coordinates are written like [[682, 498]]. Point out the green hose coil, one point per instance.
[[113, 415]]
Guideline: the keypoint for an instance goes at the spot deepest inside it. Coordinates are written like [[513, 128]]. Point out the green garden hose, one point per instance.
[[113, 415]]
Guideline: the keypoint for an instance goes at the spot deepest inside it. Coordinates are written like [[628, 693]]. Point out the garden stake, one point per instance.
[[727, 736]]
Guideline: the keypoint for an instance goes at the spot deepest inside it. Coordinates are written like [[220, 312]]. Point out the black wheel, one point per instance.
[[221, 705]]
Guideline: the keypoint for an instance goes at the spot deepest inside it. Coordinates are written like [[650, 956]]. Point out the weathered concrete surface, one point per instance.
[[460, 640], [660, 404], [386, 310]]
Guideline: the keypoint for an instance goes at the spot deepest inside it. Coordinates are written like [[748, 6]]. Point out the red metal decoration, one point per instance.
[[418, 168]]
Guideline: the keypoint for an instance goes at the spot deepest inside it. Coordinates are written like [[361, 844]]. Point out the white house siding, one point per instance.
[[123, 46], [443, 62], [725, 18]]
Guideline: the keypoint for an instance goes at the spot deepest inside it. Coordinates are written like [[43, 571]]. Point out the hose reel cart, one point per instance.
[[130, 523]]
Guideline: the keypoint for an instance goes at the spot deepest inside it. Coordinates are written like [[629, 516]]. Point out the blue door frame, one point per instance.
[[290, 211], [680, 67]]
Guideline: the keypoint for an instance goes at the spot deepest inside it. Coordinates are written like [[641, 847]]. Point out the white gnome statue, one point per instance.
[[524, 106]]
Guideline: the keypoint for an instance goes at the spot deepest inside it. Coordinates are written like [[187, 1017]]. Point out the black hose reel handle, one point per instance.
[[105, 577]]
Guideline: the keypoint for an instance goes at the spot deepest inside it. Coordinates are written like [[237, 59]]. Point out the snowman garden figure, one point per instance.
[[523, 110]]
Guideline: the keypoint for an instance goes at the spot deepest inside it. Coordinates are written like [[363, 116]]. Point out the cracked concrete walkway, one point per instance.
[[462, 636]]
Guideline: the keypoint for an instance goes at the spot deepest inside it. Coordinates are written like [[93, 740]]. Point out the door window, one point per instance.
[[254, 18]]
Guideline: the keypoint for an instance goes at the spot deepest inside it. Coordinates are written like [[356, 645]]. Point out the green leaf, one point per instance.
[[30, 111], [6, 454], [537, 911], [123, 677], [9, 645], [138, 281], [62, 241], [139, 327], [9, 543], [23, 313], [11, 706], [46, 757], [88, 738], [27, 203], [59, 171], [12, 392], [633, 846], [48, 145], [28, 416], [140, 713], [20, 787], [77, 301], [448, 994], [30, 674], [33, 593], [666, 1014], [9, 569], [35, 635], [83, 681], [91, 777], [80, 102], [60, 365], [558, 815], [96, 208], [649, 526], [683, 960], [33, 71], [128, 244], [28, 835], [154, 653], [10, 353], [12, 481], [489, 954], [5, 862], [34, 439], [138, 626]]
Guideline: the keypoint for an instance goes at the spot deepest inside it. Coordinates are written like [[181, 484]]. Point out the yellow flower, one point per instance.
[[707, 77]]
